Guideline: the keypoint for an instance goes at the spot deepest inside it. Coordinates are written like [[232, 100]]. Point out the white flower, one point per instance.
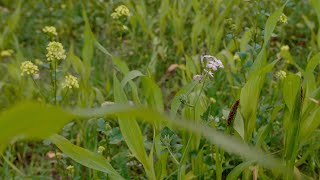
[[207, 57], [197, 77], [212, 64]]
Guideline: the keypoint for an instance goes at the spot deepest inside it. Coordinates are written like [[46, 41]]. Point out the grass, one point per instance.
[[134, 110]]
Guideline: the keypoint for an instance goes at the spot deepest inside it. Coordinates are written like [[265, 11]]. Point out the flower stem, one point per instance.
[[38, 87], [55, 83]]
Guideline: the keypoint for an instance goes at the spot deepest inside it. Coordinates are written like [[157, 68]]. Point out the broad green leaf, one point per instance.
[[121, 65], [76, 63], [271, 24], [85, 157], [130, 129], [244, 42], [291, 87], [153, 94], [310, 124], [293, 99], [31, 121], [249, 98], [309, 79], [238, 125], [130, 76]]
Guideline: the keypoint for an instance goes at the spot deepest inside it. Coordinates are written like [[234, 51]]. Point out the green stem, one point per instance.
[[38, 87], [219, 154], [65, 94], [174, 158], [55, 82]]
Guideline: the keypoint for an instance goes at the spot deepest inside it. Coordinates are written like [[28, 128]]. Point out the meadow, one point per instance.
[[160, 89]]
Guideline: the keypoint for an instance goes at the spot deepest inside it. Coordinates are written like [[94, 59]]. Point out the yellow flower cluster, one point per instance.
[[55, 51], [70, 169], [70, 82], [236, 57], [121, 10], [101, 149], [50, 30], [28, 68], [6, 53], [285, 48], [283, 19], [281, 75]]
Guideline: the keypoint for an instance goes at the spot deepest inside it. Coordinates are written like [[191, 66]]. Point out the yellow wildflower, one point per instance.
[[236, 57], [28, 68], [50, 30], [121, 10], [281, 75], [285, 48], [70, 169], [55, 51], [6, 53], [101, 149], [283, 19], [70, 82]]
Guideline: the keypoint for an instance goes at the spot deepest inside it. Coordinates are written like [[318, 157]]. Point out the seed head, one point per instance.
[[233, 112]]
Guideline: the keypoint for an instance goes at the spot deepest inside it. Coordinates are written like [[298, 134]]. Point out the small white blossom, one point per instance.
[[197, 77], [212, 64]]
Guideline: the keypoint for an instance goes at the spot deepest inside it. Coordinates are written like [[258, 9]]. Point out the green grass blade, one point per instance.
[[130, 76], [235, 173]]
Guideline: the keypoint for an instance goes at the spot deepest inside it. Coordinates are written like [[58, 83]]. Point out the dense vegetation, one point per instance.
[[170, 89]]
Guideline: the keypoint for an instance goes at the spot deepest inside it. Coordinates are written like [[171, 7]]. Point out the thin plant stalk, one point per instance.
[[38, 87]]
